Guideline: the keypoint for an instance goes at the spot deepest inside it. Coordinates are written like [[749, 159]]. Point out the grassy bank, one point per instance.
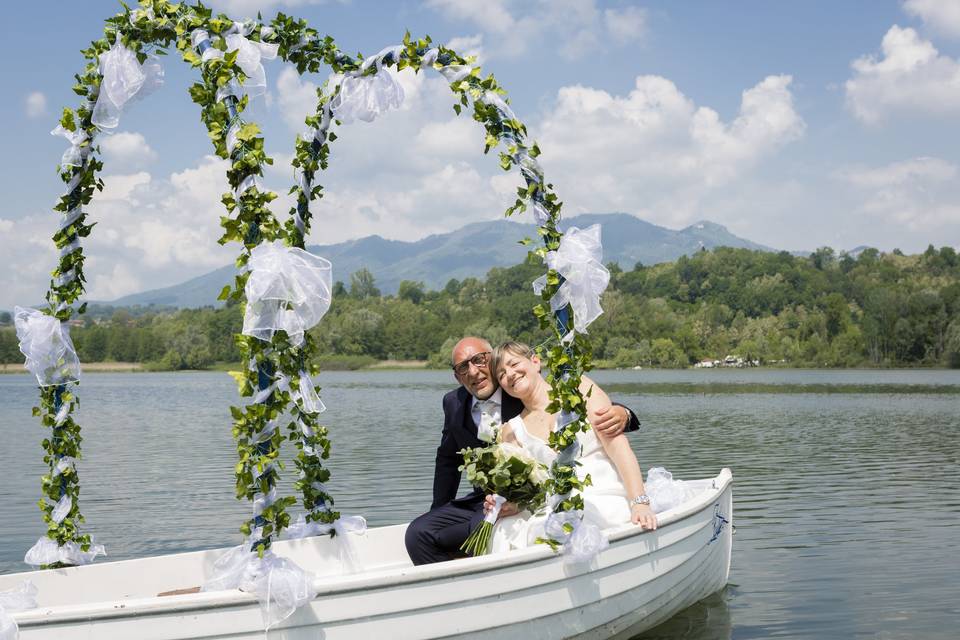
[[87, 367]]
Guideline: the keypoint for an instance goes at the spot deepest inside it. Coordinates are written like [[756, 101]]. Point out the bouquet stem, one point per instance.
[[478, 542]]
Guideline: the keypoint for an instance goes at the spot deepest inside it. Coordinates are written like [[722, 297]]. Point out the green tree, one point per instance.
[[363, 285], [410, 290]]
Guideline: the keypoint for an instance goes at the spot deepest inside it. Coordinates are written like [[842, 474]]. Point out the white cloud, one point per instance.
[[491, 15], [911, 76], [900, 173], [572, 27], [120, 281], [415, 170], [655, 153], [918, 195], [626, 25], [35, 104], [942, 16], [128, 148], [121, 187], [468, 46], [456, 137], [296, 98], [151, 232], [29, 255]]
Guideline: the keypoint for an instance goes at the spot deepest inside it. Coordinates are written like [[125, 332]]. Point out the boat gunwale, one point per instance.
[[325, 586]]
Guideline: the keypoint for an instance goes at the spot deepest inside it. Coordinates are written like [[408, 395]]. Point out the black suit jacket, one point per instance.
[[460, 432]]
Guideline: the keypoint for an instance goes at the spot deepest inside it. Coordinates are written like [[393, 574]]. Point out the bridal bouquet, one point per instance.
[[509, 473]]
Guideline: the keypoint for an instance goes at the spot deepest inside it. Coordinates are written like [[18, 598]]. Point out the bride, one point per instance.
[[616, 494]]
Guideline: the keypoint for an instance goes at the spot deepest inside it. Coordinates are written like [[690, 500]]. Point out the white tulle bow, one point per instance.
[[366, 97], [665, 492], [77, 151], [250, 56], [124, 79], [20, 598], [288, 289], [582, 542], [46, 552], [280, 585], [342, 527], [45, 341], [579, 261]]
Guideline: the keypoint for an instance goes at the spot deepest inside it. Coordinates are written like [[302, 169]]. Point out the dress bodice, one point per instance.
[[534, 445]]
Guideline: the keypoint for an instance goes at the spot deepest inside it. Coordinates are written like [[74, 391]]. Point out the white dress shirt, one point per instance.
[[487, 416]]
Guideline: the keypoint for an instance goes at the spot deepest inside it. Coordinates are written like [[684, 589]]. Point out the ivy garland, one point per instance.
[[568, 361], [277, 370]]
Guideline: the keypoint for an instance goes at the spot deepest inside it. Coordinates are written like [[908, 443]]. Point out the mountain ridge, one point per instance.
[[470, 251]]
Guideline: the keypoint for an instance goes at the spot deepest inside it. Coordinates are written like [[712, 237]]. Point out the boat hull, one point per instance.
[[642, 579]]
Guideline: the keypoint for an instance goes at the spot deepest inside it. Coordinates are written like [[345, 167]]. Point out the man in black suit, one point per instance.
[[478, 404]]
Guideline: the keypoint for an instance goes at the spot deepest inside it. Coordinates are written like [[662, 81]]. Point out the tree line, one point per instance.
[[821, 310]]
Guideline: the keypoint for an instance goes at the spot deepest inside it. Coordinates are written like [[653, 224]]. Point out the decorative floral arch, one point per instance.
[[275, 345]]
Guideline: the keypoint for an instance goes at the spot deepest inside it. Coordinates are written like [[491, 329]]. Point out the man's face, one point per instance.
[[475, 378]]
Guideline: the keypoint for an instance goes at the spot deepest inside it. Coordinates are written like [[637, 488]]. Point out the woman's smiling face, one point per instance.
[[518, 374]]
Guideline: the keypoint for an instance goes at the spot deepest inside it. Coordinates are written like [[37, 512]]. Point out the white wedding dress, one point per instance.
[[605, 501]]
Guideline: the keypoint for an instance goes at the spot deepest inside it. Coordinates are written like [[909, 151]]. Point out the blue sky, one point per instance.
[[797, 125]]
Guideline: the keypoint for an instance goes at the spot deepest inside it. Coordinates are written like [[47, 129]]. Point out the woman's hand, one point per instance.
[[642, 515], [508, 508]]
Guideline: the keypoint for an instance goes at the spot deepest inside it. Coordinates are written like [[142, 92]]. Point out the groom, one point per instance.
[[478, 404]]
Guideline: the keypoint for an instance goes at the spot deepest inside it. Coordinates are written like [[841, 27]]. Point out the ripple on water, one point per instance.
[[846, 503]]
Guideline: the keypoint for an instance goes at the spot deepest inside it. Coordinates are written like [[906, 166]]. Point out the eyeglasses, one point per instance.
[[478, 360]]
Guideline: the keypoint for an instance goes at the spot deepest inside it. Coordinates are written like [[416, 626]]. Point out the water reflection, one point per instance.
[[709, 619]]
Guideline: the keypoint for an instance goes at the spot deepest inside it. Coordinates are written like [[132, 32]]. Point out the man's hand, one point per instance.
[[610, 421]]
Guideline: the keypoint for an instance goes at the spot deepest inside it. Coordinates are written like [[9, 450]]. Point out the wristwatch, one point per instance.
[[641, 499]]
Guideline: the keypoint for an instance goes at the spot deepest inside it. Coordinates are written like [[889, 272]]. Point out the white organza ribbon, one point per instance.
[[366, 97], [494, 100], [579, 261], [46, 551], [124, 79], [306, 397], [455, 72], [19, 598], [250, 56], [342, 527], [76, 153], [288, 289], [45, 341], [581, 544], [64, 463], [62, 509], [278, 584]]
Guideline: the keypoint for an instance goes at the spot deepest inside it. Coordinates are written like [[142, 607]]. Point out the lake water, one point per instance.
[[846, 483]]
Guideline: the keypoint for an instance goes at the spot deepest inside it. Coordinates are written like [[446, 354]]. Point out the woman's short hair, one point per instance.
[[510, 347]]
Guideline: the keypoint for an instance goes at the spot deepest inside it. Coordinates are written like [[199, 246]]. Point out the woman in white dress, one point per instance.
[[616, 494]]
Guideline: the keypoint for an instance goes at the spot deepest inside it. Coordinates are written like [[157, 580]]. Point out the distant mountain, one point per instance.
[[469, 251]]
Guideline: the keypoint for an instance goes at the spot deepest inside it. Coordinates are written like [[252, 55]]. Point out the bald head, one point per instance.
[[467, 347], [475, 378]]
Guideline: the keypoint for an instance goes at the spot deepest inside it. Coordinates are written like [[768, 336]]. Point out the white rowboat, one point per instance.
[[642, 579]]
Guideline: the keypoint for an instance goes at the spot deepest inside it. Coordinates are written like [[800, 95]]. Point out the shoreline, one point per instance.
[[87, 367], [424, 365]]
